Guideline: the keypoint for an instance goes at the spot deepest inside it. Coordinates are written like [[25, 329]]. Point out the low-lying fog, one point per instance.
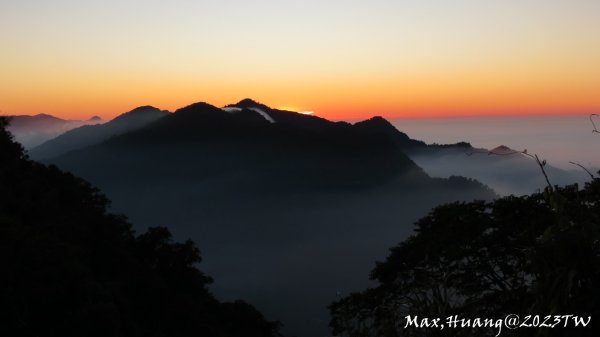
[[558, 139]]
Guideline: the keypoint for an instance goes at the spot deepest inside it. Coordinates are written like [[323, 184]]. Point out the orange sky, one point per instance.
[[341, 59]]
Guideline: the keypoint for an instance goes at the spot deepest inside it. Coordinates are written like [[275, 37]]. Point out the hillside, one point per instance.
[[71, 268]]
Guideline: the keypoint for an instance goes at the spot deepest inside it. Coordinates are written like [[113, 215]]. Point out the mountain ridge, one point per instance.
[[32, 130], [279, 202], [87, 135]]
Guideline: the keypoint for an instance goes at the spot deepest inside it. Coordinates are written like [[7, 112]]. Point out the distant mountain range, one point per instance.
[[299, 205], [506, 174], [87, 135], [31, 131], [506, 170], [313, 150]]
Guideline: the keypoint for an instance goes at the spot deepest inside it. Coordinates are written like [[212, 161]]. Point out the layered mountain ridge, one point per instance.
[[298, 205], [34, 130], [87, 135]]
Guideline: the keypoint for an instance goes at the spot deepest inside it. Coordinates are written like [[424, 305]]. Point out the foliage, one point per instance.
[[537, 254], [70, 268]]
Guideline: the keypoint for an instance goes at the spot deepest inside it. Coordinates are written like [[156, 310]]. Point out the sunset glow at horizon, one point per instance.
[[341, 59]]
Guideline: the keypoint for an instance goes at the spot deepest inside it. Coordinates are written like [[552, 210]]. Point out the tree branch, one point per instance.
[[583, 167]]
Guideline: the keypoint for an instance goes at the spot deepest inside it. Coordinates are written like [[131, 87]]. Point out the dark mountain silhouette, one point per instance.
[[72, 269], [299, 121], [290, 210], [249, 103], [31, 131], [379, 126], [93, 134]]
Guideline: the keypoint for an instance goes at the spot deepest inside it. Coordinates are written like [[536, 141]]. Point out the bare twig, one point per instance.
[[540, 163], [583, 167], [594, 124]]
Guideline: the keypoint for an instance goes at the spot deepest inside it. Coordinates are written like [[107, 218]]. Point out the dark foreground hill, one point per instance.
[[70, 268], [290, 210]]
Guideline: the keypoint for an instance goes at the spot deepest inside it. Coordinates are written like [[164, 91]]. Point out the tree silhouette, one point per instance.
[[523, 255], [70, 268]]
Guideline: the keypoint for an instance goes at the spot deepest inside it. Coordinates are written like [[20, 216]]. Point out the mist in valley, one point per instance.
[[558, 140], [290, 212], [288, 215]]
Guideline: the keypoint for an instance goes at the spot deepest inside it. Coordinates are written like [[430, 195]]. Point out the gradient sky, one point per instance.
[[340, 58]]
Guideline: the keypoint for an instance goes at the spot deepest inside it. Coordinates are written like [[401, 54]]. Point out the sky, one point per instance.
[[341, 59]]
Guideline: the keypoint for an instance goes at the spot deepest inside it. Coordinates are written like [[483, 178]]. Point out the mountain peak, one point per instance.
[[248, 103], [46, 116], [95, 119], [143, 112], [144, 108], [378, 120], [503, 149], [377, 124], [198, 106], [198, 112]]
